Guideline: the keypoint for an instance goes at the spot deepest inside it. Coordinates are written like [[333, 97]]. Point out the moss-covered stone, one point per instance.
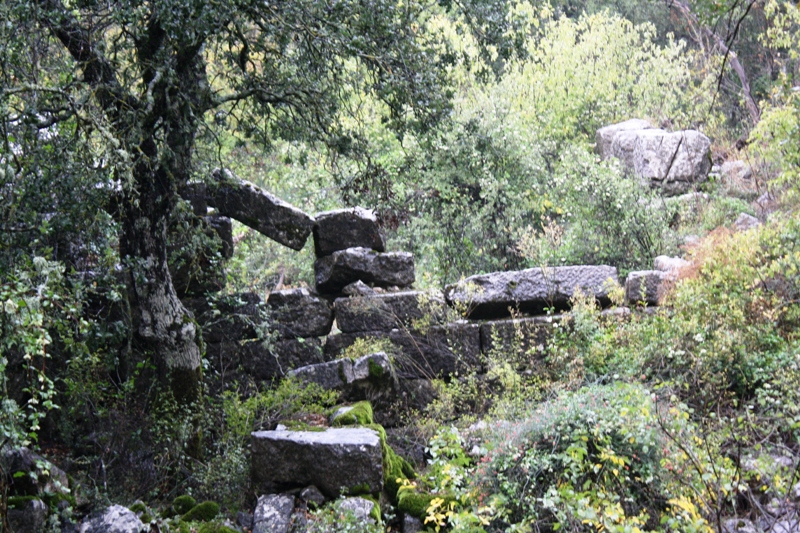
[[215, 527], [203, 512], [417, 503], [183, 504], [394, 467], [138, 508], [359, 415], [19, 502]]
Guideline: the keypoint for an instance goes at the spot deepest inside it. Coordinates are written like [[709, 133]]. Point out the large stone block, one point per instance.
[[605, 136], [258, 209], [230, 318], [372, 369], [532, 290], [673, 162], [384, 312], [331, 460], [334, 272], [298, 313], [646, 286], [436, 352], [347, 228], [528, 335], [265, 361]]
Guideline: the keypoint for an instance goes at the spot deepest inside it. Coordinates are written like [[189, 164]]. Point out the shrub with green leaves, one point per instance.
[[590, 460]]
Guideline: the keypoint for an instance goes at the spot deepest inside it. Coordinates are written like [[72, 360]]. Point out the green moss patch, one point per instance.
[[417, 503], [203, 512], [359, 415], [215, 527]]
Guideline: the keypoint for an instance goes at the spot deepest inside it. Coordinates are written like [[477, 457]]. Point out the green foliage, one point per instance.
[[595, 457], [215, 527], [337, 520], [202, 512]]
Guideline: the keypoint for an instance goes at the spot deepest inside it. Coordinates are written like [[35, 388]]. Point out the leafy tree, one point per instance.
[[116, 97]]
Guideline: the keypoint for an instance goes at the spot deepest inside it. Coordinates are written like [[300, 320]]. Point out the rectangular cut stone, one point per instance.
[[347, 228], [532, 290], [529, 335], [265, 361], [334, 272], [230, 318], [646, 286], [256, 208], [384, 312], [298, 313], [437, 352], [331, 460]]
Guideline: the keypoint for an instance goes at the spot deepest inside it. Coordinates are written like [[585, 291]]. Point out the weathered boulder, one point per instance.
[[29, 519], [347, 228], [361, 508], [30, 474], [516, 335], [646, 286], [412, 524], [333, 460], [115, 519], [437, 351], [265, 361], [384, 312], [673, 162], [336, 271], [746, 222], [605, 136], [358, 288], [258, 209], [298, 313], [273, 513], [532, 290], [670, 264]]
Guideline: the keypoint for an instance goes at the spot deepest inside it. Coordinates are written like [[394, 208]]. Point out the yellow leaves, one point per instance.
[[438, 513]]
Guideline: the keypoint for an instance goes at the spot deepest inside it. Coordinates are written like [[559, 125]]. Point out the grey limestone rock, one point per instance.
[[258, 209], [342, 373], [646, 286], [29, 519], [359, 507], [298, 313], [605, 135], [273, 513], [347, 228], [312, 496], [532, 290], [31, 474], [670, 264], [332, 460], [336, 271], [673, 162], [411, 524], [384, 312], [115, 519], [358, 288], [746, 222]]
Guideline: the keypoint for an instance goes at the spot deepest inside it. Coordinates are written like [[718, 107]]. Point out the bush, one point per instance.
[[593, 459]]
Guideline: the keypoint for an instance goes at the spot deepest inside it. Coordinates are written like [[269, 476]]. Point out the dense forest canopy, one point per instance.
[[469, 128]]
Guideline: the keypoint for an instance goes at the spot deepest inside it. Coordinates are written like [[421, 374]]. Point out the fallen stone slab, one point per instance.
[[516, 335], [605, 136], [439, 351], [646, 287], [256, 208], [273, 513], [336, 271], [347, 228], [532, 291], [298, 313], [333, 460], [384, 312]]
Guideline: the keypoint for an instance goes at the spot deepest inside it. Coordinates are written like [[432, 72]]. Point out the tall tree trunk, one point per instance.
[[161, 322]]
